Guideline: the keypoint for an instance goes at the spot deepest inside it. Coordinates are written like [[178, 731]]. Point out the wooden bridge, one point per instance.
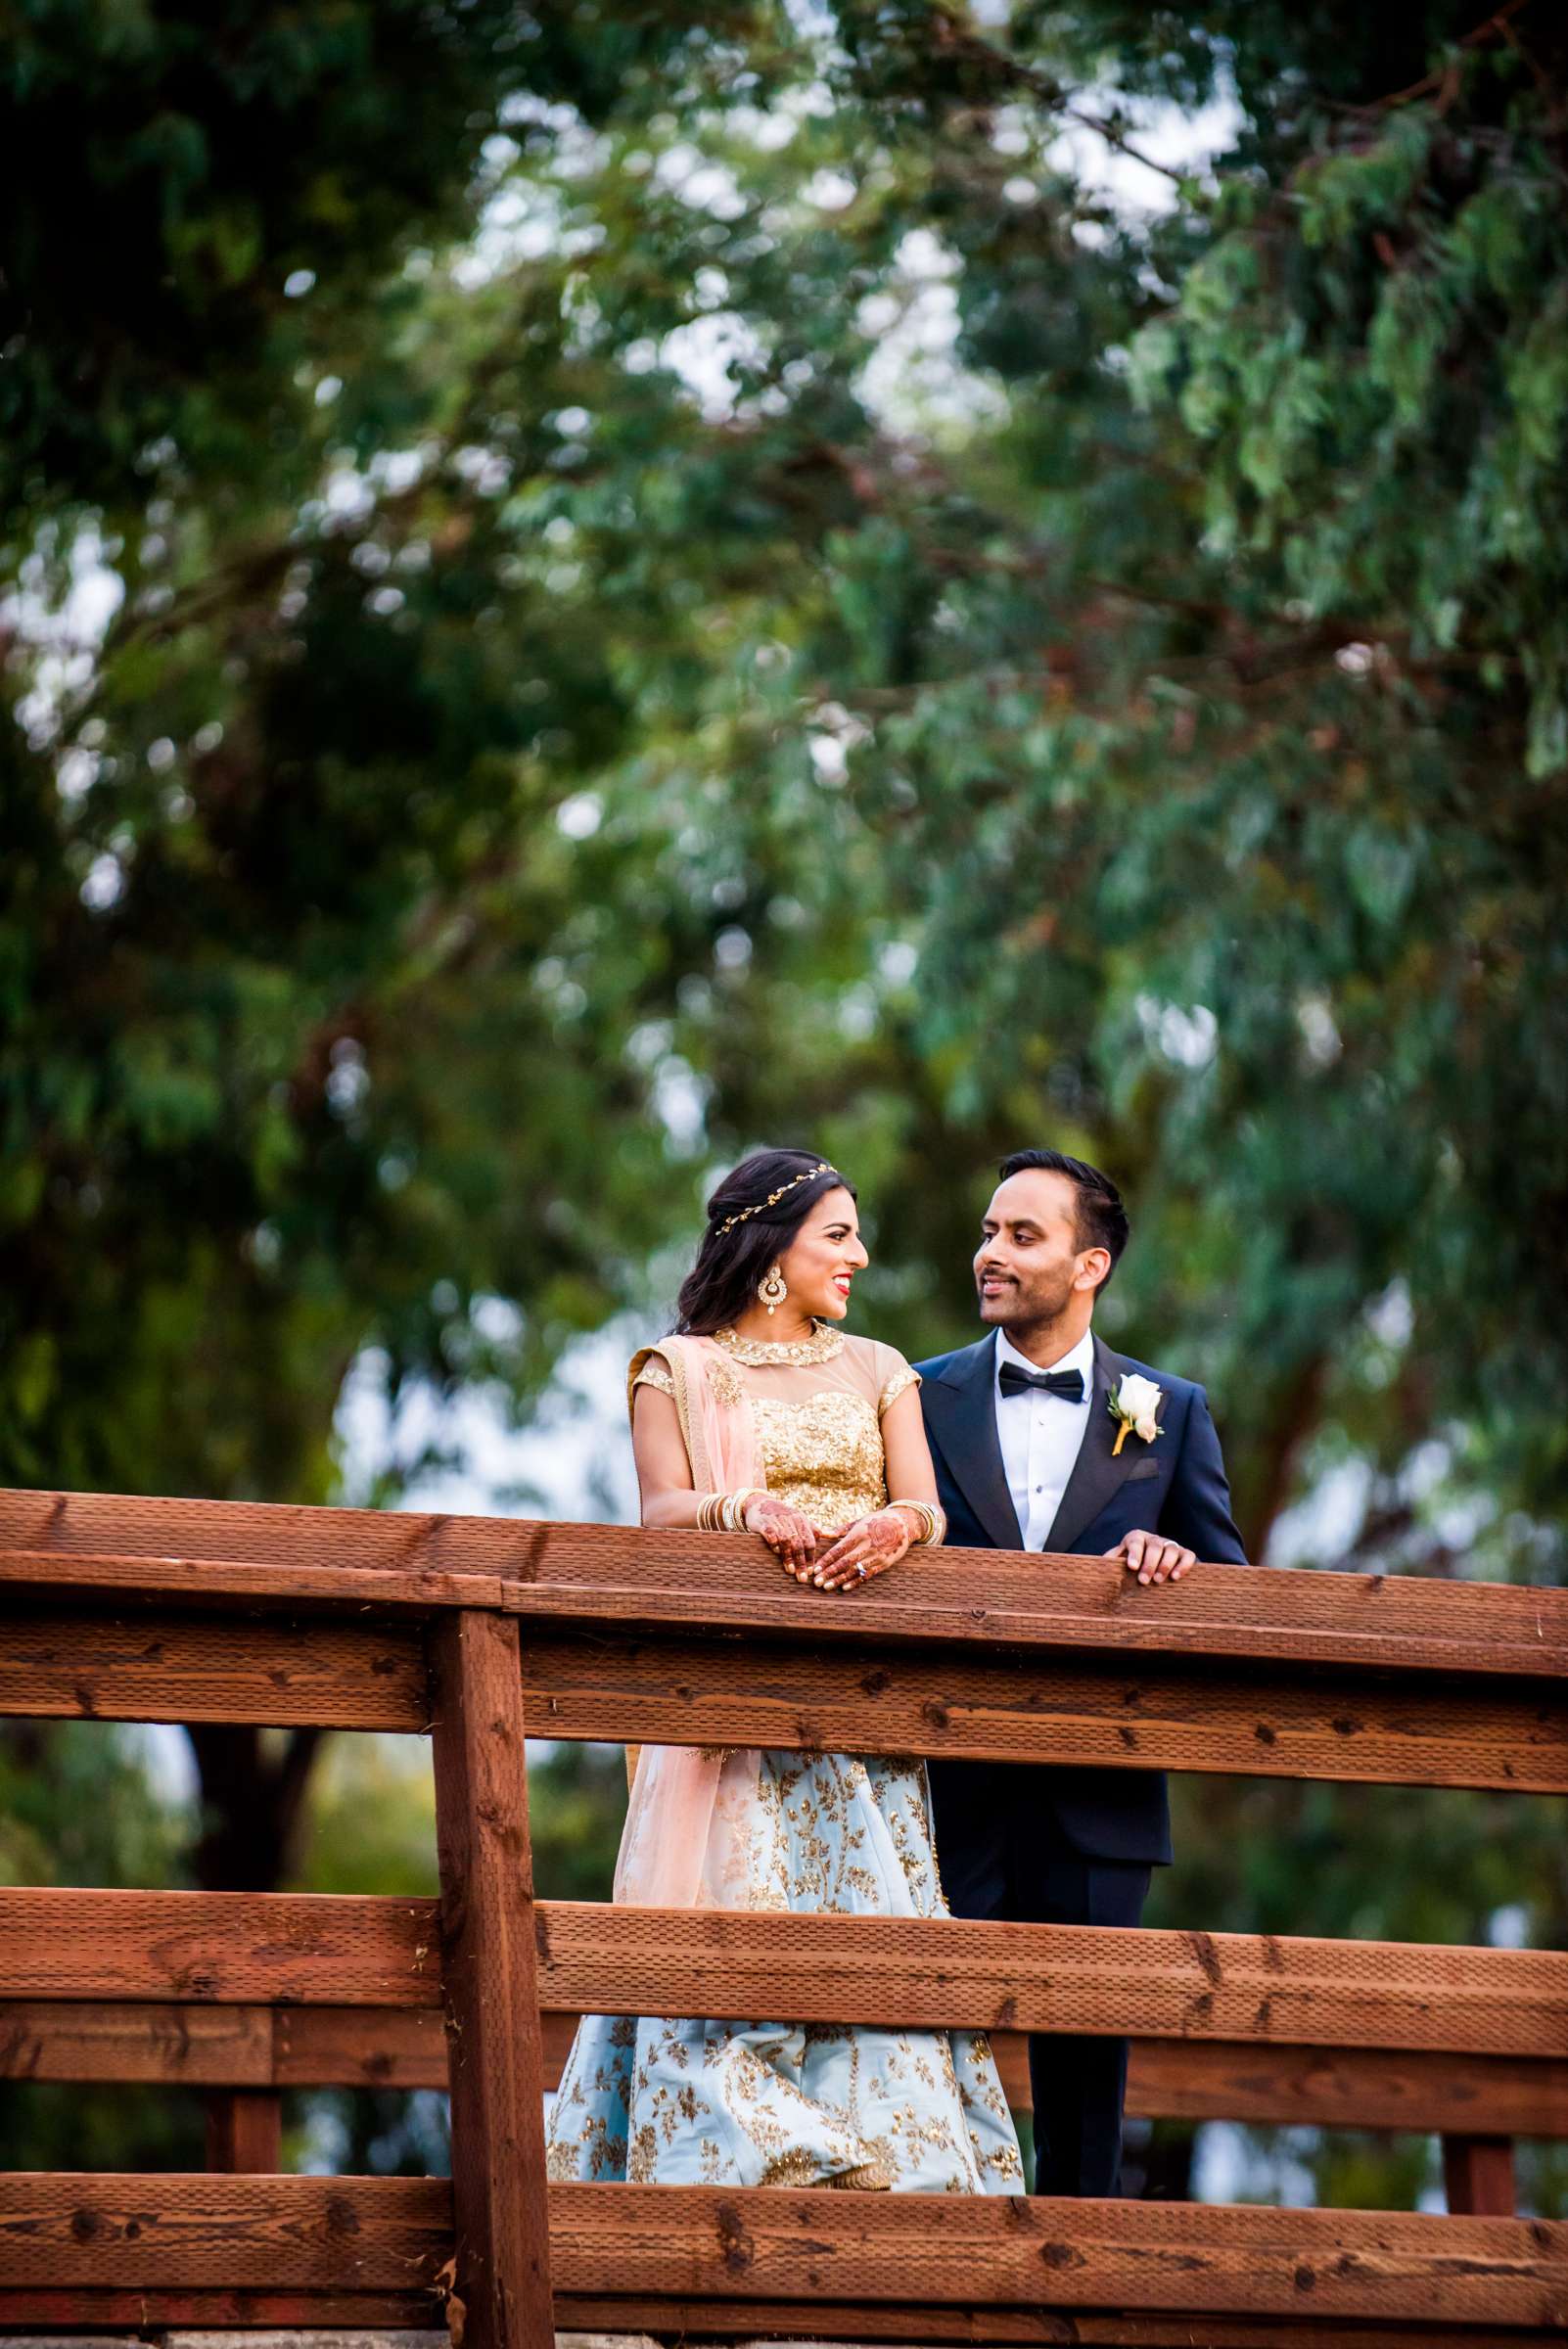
[[474, 1630]]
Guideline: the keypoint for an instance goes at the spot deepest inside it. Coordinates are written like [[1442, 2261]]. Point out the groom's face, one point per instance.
[[1029, 1265]]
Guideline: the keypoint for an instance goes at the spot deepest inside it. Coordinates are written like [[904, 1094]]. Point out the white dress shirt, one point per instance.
[[1040, 1435]]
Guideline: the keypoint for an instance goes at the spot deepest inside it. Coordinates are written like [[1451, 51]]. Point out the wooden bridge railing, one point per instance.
[[468, 1628]]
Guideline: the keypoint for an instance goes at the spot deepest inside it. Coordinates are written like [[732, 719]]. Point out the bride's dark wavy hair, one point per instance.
[[731, 1265]]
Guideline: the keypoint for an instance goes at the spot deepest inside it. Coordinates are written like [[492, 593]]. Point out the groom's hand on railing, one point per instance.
[[864, 1549], [1153, 1558]]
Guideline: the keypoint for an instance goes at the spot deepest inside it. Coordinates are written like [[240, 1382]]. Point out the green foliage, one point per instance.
[[80, 1804], [753, 594]]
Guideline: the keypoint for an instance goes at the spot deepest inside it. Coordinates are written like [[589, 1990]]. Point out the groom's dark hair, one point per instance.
[[1101, 1220]]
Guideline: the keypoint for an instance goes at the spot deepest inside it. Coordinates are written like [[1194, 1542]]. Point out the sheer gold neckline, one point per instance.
[[754, 1354]]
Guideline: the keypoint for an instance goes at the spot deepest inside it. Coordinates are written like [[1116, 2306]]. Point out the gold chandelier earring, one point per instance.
[[772, 1291]]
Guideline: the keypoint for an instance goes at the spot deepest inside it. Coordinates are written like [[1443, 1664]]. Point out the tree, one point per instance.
[[294, 820], [750, 597]]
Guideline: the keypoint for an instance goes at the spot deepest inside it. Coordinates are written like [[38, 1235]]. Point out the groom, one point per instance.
[[1024, 1445]]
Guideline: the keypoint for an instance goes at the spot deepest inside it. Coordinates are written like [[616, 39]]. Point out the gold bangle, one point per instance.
[[732, 1509], [933, 1524]]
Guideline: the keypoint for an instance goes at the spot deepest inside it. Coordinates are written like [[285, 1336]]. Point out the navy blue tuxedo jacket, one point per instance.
[[1175, 1486]]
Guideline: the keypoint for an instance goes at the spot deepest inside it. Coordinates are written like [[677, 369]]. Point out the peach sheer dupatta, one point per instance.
[[677, 1846]]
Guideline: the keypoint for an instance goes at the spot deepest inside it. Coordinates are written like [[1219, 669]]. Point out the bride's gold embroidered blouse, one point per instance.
[[818, 1406]]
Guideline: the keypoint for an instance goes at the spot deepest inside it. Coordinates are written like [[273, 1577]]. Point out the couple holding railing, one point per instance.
[[760, 1414]]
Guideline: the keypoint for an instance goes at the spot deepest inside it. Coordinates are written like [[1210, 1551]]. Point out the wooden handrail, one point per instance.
[[712, 1583], [474, 1629], [170, 2042], [342, 1949], [112, 1636]]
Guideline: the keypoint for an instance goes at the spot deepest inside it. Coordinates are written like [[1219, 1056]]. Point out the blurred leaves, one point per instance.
[[581, 591]]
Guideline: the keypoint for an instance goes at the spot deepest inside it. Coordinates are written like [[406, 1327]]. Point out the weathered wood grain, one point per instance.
[[236, 1948], [265, 1533], [1336, 2088], [149, 2311], [369, 2047], [354, 1950], [146, 1665], [692, 2241], [630, 1575], [490, 1993], [662, 2245], [241, 2047], [841, 2324], [642, 1576], [581, 2319], [186, 1579], [169, 2043], [848, 1697], [405, 2047], [189, 2233], [1093, 1978]]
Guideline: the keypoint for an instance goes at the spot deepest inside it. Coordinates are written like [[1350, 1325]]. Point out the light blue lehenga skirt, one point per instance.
[[723, 2103]]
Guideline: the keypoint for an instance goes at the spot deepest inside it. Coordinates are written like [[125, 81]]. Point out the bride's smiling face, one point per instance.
[[822, 1260]]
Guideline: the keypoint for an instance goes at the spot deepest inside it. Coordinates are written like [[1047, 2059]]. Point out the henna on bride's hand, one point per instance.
[[788, 1532], [863, 1551]]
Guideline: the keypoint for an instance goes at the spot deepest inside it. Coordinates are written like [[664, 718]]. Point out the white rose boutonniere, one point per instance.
[[1133, 1403]]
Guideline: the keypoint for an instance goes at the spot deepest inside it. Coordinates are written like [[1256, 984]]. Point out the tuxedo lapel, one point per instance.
[[962, 1403], [1095, 1474]]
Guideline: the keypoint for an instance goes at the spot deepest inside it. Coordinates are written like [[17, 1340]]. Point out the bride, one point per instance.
[[759, 1413]]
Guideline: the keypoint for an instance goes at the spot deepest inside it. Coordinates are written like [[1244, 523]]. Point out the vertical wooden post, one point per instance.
[[245, 2129], [499, 2197], [1478, 2176]]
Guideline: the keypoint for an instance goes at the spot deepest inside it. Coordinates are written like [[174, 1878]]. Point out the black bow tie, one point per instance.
[[1068, 1384]]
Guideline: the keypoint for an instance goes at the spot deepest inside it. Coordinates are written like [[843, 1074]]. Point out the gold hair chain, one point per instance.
[[773, 1197]]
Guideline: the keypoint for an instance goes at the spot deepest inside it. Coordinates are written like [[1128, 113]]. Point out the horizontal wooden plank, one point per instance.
[[588, 2323], [172, 2044], [841, 2324], [712, 1581], [348, 1949], [631, 1575], [145, 2311], [852, 1697], [770, 2243], [184, 2044], [363, 2235], [828, 2322], [1090, 1978], [29, 1578], [187, 2235], [143, 1665], [375, 2047], [265, 1534], [149, 1664], [1343, 2088], [405, 2047], [231, 1948]]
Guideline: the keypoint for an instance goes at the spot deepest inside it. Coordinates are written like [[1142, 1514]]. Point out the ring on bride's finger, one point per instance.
[[859, 1574]]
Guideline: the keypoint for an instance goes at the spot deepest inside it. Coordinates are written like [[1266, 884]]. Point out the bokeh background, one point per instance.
[[583, 588]]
